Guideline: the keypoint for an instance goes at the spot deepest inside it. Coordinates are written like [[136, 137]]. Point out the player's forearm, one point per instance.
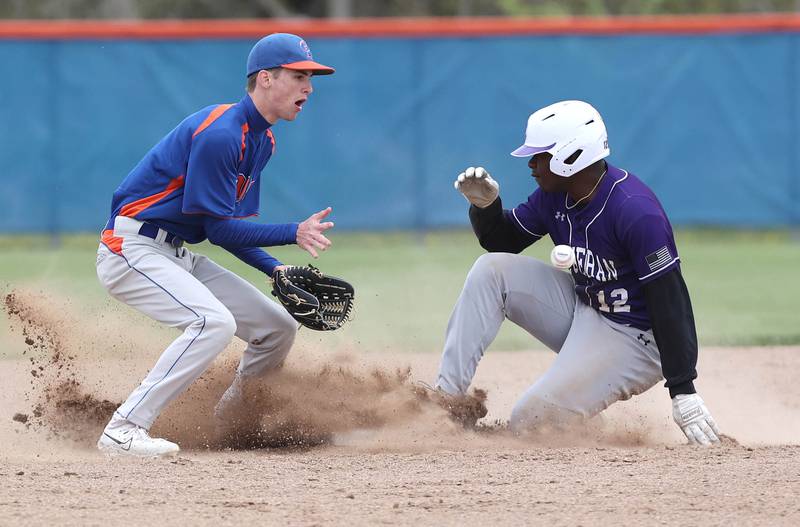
[[256, 257], [671, 316], [495, 231], [233, 233]]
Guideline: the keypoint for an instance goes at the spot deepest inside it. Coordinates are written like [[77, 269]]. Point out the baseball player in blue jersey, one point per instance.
[[198, 183], [619, 321]]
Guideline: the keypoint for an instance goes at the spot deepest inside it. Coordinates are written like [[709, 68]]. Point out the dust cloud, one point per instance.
[[76, 367]]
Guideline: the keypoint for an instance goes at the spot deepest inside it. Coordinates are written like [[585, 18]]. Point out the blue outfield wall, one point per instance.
[[709, 121]]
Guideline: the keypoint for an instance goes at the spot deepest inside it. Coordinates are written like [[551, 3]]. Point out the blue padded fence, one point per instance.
[[709, 121]]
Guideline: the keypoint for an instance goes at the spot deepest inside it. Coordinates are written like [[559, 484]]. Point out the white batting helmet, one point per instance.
[[571, 131]]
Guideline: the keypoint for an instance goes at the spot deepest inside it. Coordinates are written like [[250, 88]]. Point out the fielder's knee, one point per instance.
[[221, 326], [280, 336], [286, 331]]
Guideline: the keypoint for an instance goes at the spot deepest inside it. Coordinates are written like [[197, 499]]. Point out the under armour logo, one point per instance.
[[644, 339], [560, 216]]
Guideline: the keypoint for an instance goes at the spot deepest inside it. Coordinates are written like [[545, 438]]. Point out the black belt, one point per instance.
[[151, 231]]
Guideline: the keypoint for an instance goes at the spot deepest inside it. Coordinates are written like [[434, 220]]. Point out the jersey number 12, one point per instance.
[[619, 302]]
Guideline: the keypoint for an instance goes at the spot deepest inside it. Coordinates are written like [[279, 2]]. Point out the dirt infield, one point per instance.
[[345, 440]]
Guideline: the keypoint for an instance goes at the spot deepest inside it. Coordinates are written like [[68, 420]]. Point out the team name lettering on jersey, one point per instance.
[[587, 264]]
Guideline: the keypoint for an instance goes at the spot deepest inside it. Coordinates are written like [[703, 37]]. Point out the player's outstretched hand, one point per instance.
[[691, 414], [477, 186], [310, 235]]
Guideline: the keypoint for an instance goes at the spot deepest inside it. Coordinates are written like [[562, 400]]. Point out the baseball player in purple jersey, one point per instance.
[[198, 183], [620, 321]]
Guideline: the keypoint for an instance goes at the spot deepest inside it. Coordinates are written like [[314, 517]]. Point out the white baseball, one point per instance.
[[562, 256]]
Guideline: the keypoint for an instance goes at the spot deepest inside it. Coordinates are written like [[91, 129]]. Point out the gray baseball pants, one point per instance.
[[599, 361], [208, 303]]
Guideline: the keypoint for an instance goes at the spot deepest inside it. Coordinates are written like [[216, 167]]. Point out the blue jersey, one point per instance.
[[210, 164], [622, 239]]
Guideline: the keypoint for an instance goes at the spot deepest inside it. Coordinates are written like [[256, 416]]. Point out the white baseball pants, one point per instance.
[[208, 303], [599, 361]]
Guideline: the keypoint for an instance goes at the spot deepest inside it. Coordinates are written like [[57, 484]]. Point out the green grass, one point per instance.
[[743, 284]]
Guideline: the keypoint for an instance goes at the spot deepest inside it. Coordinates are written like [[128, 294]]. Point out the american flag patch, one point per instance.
[[659, 259]]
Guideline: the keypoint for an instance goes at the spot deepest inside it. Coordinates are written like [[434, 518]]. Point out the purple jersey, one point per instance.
[[622, 239], [209, 165]]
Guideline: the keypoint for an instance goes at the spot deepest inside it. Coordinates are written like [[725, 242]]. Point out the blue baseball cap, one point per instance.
[[283, 50]]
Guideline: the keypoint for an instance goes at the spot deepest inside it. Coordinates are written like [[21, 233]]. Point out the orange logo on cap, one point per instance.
[[305, 48]]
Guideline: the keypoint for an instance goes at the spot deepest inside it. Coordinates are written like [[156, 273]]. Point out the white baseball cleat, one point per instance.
[[127, 439]]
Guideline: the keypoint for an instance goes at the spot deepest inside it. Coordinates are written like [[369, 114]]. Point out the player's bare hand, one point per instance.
[[477, 186], [310, 235], [691, 414]]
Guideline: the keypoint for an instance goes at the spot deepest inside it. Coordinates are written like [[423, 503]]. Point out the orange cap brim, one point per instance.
[[315, 67]]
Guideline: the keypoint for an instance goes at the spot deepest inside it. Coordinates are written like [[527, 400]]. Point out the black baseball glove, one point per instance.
[[315, 300]]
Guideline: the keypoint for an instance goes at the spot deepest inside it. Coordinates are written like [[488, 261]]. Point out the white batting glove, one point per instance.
[[691, 414], [477, 186]]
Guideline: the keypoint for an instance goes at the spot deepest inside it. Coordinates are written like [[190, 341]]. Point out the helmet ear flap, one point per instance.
[[586, 147], [573, 157]]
